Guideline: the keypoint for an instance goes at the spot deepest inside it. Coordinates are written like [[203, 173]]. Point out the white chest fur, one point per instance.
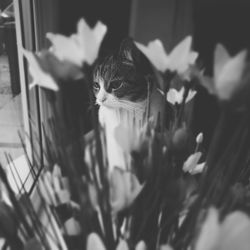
[[111, 118]]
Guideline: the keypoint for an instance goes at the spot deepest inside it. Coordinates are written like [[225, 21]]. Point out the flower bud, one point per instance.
[[199, 138]]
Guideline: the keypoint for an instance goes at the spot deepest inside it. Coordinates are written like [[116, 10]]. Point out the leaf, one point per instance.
[[9, 224]]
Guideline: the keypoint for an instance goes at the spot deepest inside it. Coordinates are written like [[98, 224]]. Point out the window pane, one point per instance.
[[11, 113]]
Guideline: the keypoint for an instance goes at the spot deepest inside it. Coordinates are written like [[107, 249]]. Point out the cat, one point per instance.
[[125, 90]]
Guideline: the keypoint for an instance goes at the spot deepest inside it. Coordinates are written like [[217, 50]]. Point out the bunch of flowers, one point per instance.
[[173, 194]]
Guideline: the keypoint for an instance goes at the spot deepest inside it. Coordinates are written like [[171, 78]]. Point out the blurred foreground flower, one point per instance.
[[94, 242], [191, 164], [54, 188], [124, 188], [228, 73], [176, 97], [166, 247], [233, 233], [129, 137], [33, 244], [80, 47], [180, 58], [46, 69], [40, 71]]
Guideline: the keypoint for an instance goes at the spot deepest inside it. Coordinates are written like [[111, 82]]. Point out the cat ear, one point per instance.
[[128, 50], [132, 55]]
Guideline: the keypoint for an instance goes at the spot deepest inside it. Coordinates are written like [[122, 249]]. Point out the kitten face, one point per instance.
[[119, 82], [122, 77]]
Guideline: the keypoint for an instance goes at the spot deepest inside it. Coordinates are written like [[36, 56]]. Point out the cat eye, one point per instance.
[[114, 85], [96, 86]]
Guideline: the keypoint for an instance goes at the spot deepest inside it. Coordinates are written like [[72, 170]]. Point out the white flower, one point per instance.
[[122, 245], [54, 188], [129, 137], [180, 58], [40, 72], [72, 227], [124, 188], [191, 164], [228, 73], [46, 69], [33, 244], [94, 242], [176, 97], [80, 47], [165, 247], [141, 246], [209, 233], [233, 233], [199, 138]]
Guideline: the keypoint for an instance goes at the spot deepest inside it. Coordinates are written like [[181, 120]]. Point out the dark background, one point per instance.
[[224, 21], [113, 13]]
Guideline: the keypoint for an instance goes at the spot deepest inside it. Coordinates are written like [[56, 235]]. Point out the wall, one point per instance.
[[168, 20]]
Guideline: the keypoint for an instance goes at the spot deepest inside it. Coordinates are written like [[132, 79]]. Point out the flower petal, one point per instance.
[[229, 78], [181, 56], [118, 190], [199, 138], [141, 246], [98, 34], [156, 54], [190, 96], [72, 227], [174, 96], [198, 168], [123, 245], [94, 242], [191, 162], [221, 57], [40, 76], [33, 244], [166, 247], [66, 48], [235, 232], [125, 187], [80, 47], [209, 233]]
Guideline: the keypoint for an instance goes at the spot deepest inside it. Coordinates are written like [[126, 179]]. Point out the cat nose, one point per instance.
[[101, 96], [103, 99]]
